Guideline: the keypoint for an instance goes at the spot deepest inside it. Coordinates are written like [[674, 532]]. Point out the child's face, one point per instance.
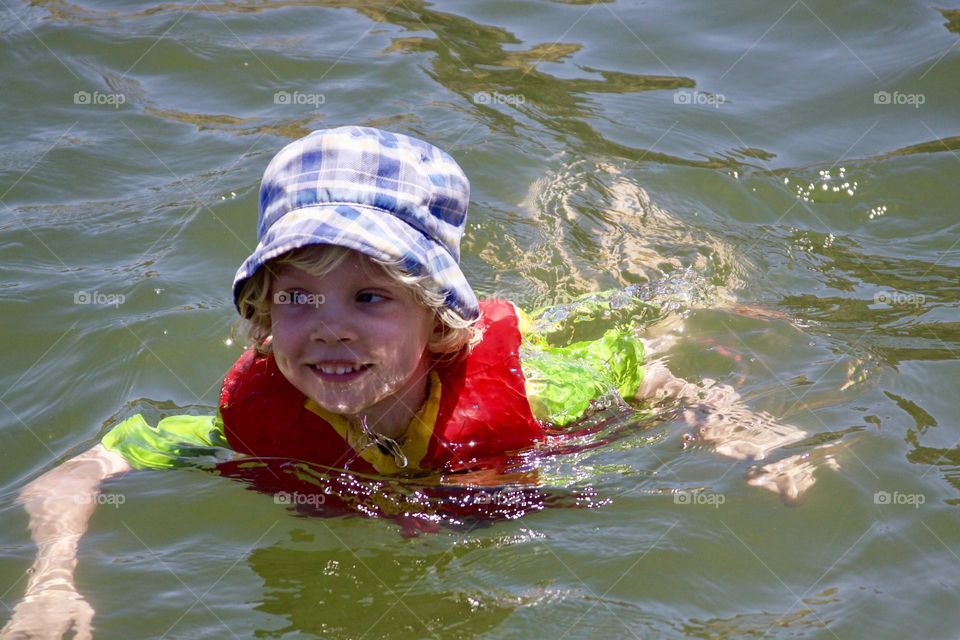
[[355, 343]]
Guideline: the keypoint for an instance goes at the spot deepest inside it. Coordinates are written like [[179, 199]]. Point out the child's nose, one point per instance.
[[332, 324]]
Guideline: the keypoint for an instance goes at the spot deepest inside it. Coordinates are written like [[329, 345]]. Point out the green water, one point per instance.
[[607, 144]]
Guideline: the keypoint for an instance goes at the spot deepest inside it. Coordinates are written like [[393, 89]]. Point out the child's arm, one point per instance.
[[60, 504], [734, 430], [717, 411]]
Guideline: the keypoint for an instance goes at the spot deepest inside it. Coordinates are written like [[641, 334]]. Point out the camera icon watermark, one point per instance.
[[98, 298], [699, 98], [899, 298], [99, 99], [297, 498], [299, 298], [483, 97], [299, 98], [111, 499], [699, 498], [898, 98], [897, 498]]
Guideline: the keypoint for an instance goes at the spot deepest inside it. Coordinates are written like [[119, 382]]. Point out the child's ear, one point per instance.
[[438, 329], [436, 335]]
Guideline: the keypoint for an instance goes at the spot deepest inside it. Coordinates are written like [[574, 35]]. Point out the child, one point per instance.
[[370, 352]]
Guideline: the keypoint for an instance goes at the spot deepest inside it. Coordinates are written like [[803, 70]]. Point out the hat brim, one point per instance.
[[373, 232]]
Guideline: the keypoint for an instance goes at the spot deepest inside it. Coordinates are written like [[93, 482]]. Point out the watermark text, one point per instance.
[[899, 298], [112, 499], [498, 498], [699, 498], [698, 97], [98, 298], [912, 99], [99, 99], [296, 498], [482, 97], [897, 498], [299, 298], [299, 98]]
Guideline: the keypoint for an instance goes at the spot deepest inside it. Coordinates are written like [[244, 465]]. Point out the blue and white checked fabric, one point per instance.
[[386, 195]]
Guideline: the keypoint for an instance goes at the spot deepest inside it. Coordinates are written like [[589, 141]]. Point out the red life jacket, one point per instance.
[[483, 409]]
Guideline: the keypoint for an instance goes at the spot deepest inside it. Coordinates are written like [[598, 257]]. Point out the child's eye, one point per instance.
[[370, 296], [298, 297]]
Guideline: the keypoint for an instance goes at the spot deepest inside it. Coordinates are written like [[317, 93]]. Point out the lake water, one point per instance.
[[801, 158]]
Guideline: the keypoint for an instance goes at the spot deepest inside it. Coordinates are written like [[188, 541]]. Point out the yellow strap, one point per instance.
[[415, 440]]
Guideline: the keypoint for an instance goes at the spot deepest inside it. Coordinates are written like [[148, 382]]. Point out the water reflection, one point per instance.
[[469, 59], [588, 225], [506, 488], [953, 19], [900, 316], [372, 592], [947, 460], [802, 621], [939, 145]]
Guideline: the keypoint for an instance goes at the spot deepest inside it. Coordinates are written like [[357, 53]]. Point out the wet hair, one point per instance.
[[455, 333]]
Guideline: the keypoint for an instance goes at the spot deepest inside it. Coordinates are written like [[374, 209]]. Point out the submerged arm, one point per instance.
[[735, 430], [722, 418], [60, 504]]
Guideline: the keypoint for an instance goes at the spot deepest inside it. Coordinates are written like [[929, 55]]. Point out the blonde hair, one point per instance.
[[455, 335]]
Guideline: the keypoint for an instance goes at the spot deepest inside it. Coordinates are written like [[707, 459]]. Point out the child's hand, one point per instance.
[[735, 430], [719, 414], [738, 432], [791, 477], [51, 611]]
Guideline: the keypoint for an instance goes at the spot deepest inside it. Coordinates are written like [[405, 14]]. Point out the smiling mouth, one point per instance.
[[339, 369], [339, 372]]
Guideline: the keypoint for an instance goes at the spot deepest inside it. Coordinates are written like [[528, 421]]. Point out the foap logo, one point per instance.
[[99, 99], [98, 298], [896, 98], [482, 97], [498, 498], [896, 498], [112, 499], [698, 97], [299, 98], [699, 498], [554, 298], [296, 499], [899, 298], [299, 298]]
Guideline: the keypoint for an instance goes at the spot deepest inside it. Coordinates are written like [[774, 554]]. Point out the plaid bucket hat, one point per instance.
[[387, 195]]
